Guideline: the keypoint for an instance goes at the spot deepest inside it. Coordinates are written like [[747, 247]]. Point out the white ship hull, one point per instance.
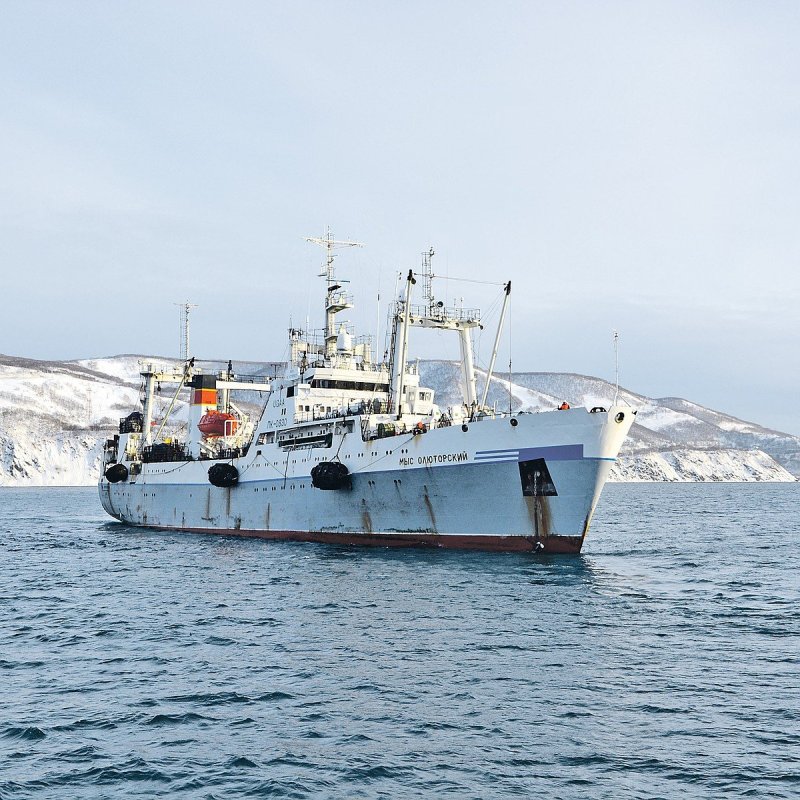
[[445, 488]]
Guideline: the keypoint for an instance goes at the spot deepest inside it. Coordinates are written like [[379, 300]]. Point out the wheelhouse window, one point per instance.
[[358, 386]]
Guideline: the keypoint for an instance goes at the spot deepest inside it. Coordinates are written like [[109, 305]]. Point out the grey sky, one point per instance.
[[628, 165]]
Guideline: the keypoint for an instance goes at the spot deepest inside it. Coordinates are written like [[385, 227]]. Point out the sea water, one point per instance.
[[663, 662]]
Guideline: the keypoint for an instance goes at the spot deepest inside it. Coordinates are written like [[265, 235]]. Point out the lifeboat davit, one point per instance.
[[218, 423]]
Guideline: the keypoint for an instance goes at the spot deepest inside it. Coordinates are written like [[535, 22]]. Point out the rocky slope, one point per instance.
[[54, 417]]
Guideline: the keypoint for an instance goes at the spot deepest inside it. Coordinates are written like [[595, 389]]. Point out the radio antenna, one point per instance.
[[185, 309], [378, 320], [616, 366]]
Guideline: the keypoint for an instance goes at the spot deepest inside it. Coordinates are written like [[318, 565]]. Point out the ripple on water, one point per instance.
[[180, 719], [24, 734], [661, 663]]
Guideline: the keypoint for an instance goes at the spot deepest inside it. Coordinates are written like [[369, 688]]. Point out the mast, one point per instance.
[[427, 278], [147, 421], [401, 349], [468, 367], [185, 308], [336, 299], [434, 314], [507, 290]]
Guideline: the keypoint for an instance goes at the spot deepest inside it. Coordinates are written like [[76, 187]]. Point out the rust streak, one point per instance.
[[430, 509], [545, 520], [530, 505], [586, 524], [366, 518]]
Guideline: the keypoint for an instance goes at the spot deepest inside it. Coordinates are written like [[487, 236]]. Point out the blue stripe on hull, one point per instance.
[[563, 452]]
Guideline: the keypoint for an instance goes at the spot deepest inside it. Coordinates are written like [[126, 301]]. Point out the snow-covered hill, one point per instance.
[[55, 415], [672, 440]]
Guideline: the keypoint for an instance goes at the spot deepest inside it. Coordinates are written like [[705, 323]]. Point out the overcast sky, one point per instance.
[[628, 165]]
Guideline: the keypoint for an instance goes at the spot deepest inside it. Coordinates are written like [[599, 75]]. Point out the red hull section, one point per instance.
[[498, 544]]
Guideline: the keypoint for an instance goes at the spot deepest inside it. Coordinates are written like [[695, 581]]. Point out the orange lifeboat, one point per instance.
[[218, 423]]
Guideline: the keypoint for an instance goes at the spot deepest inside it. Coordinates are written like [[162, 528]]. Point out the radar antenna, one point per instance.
[[330, 244]]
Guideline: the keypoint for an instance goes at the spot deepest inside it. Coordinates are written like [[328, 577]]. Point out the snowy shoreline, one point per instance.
[[55, 416]]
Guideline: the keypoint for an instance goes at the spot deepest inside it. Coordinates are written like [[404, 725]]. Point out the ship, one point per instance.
[[345, 448]]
